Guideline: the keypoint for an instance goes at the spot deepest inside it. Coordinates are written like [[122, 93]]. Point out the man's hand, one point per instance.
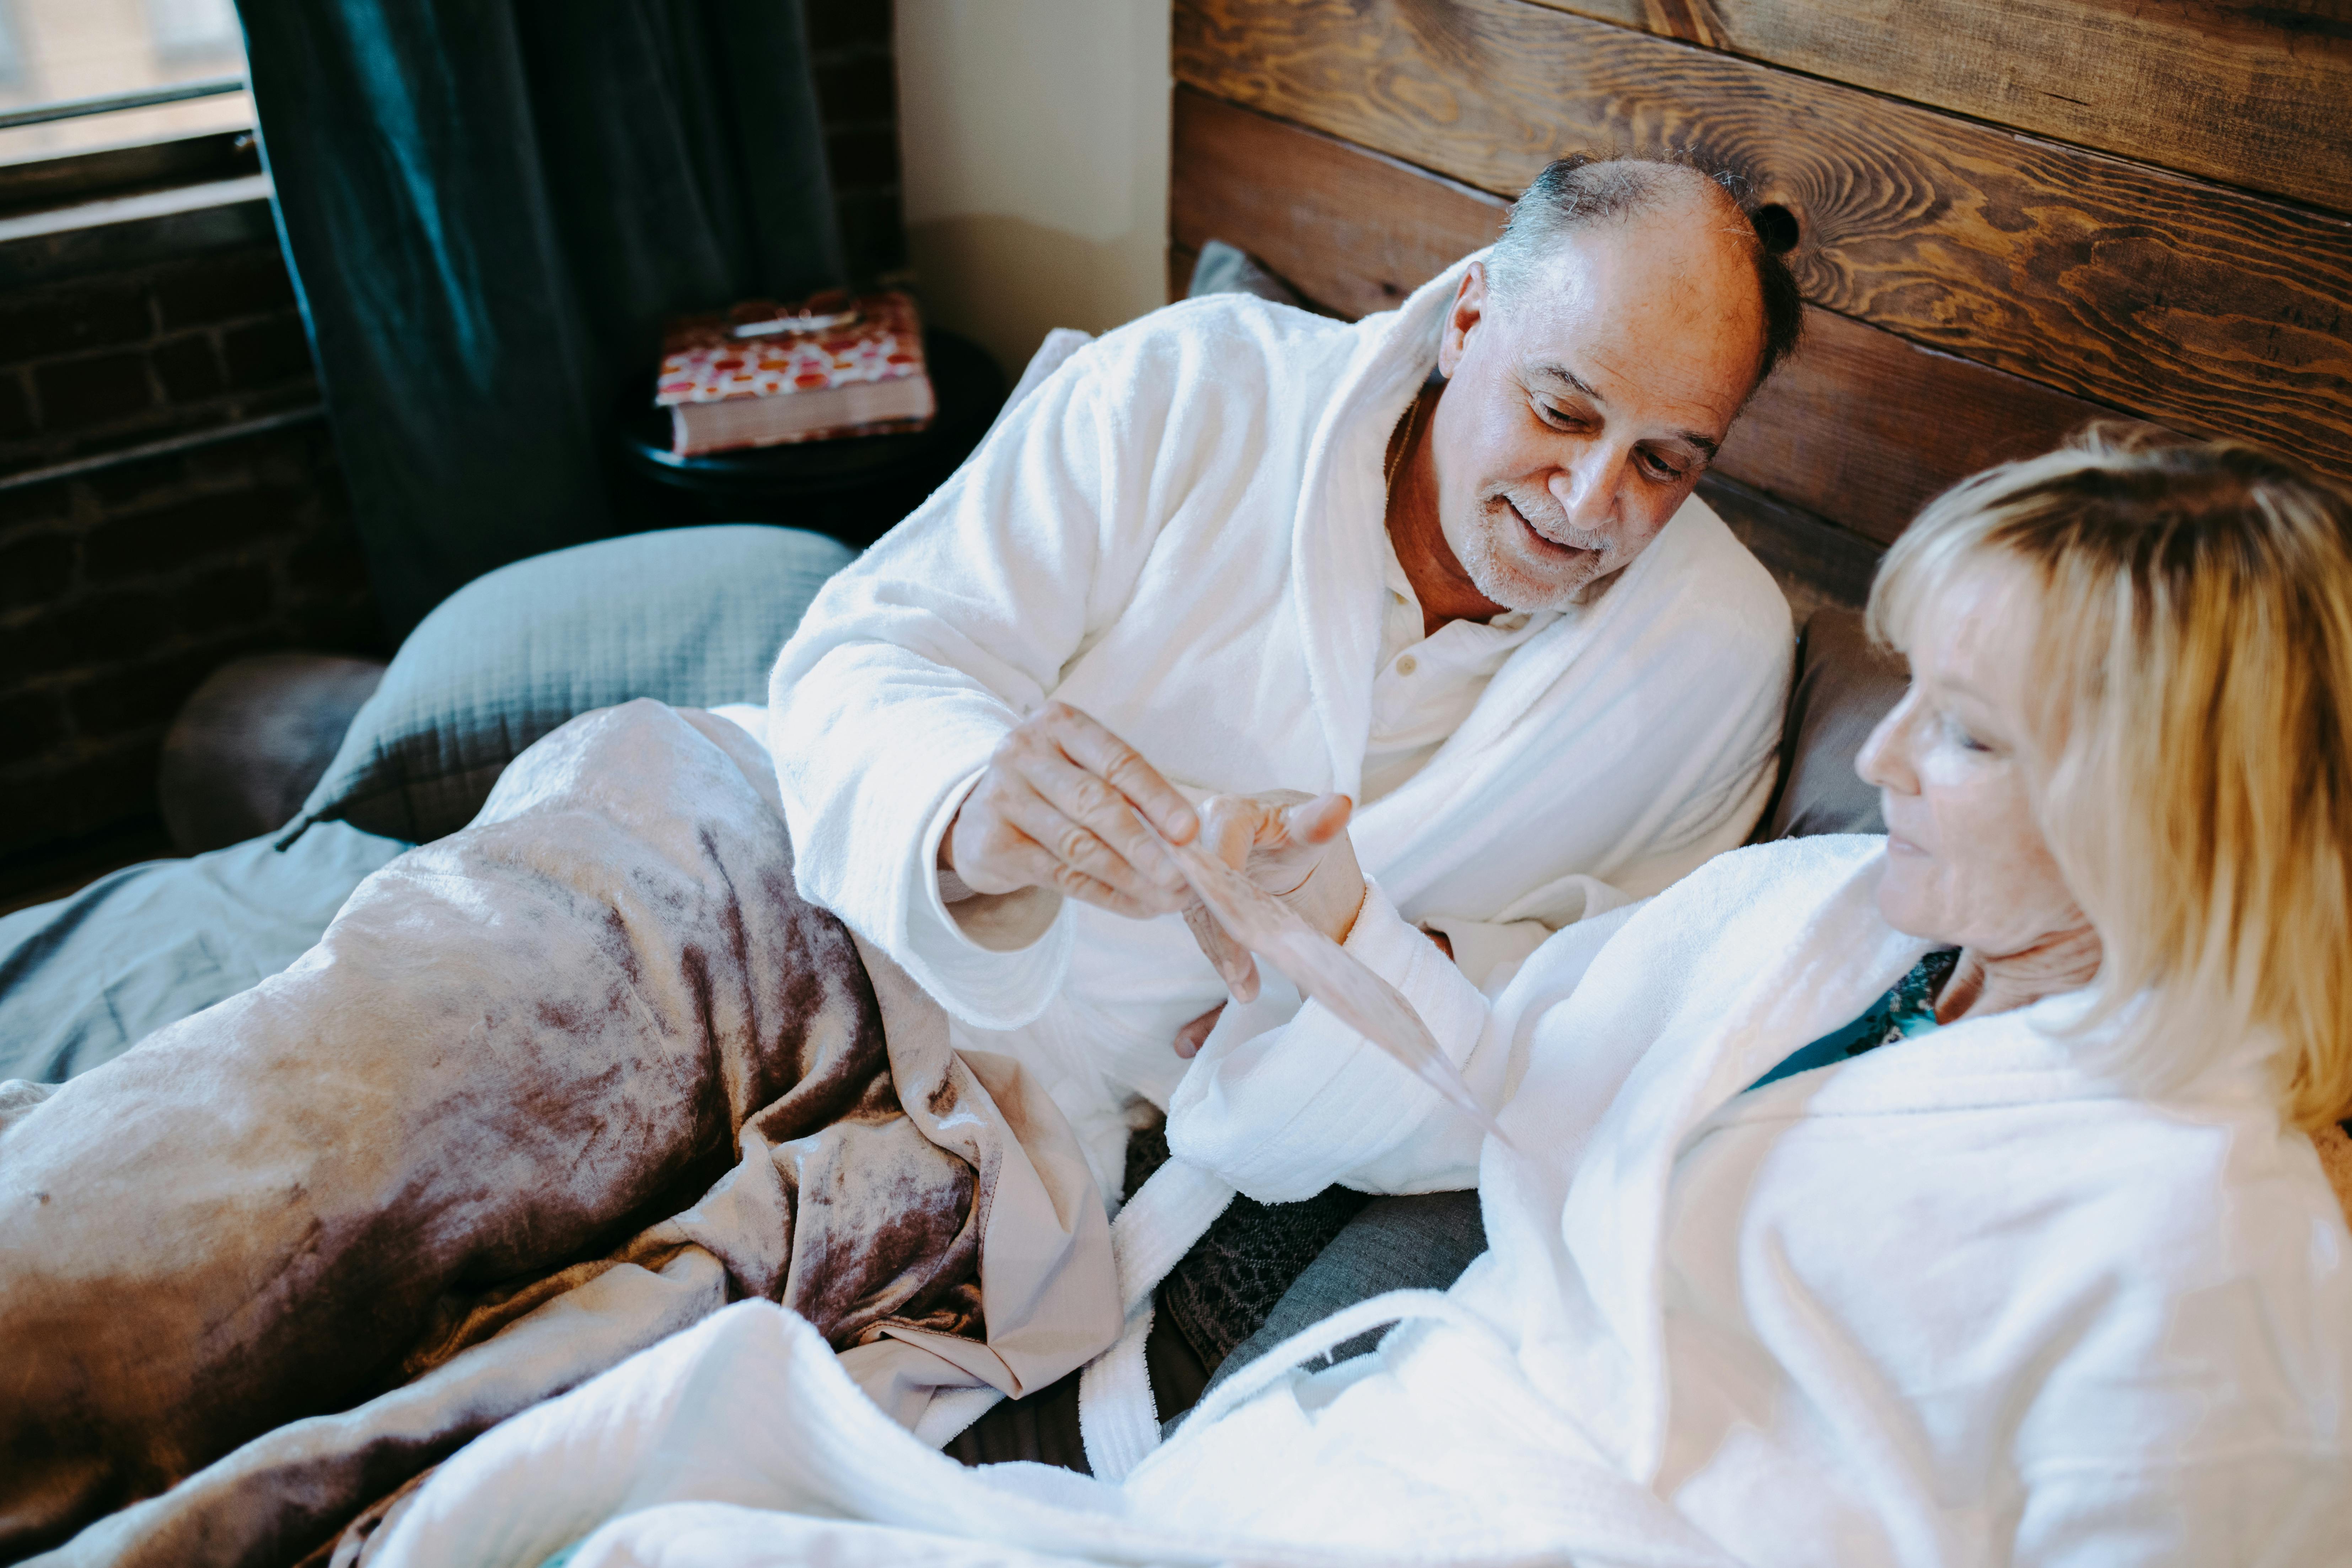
[[1057, 808]]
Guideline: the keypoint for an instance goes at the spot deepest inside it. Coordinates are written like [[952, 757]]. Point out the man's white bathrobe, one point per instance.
[[1181, 534], [1960, 1300]]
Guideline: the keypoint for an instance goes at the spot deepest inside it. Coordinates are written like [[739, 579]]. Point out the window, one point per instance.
[[204, 31], [132, 71]]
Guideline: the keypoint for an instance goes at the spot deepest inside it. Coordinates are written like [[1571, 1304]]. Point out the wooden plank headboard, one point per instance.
[[2012, 216]]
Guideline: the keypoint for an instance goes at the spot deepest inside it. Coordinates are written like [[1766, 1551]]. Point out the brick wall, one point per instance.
[[121, 589]]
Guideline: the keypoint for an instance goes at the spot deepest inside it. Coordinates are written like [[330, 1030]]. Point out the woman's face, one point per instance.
[[1966, 861]]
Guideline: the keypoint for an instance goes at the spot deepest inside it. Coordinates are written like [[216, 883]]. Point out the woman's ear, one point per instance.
[[1468, 310]]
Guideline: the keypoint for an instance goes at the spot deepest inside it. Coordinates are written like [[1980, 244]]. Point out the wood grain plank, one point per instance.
[[1815, 562], [2249, 94], [1861, 426], [1369, 229], [1865, 427], [2202, 308]]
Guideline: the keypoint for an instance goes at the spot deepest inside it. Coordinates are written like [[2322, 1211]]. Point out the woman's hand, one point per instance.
[[1291, 845]]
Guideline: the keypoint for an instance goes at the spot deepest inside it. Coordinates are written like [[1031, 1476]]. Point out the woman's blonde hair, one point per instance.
[[2193, 678]]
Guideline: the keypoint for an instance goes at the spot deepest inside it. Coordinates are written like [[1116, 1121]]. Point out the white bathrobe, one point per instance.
[[1181, 533], [1956, 1301]]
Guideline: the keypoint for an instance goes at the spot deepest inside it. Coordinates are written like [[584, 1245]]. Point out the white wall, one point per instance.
[[1034, 137]]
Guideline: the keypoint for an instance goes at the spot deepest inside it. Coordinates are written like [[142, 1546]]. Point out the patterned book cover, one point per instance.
[[830, 343]]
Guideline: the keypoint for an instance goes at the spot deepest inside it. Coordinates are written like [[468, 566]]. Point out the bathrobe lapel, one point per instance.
[[1336, 577], [1592, 1242]]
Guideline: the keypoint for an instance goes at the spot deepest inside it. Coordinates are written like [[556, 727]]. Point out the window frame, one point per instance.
[[166, 162], [74, 178]]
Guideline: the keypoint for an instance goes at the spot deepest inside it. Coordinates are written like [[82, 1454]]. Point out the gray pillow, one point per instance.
[[1228, 270], [692, 617], [247, 749], [1845, 685]]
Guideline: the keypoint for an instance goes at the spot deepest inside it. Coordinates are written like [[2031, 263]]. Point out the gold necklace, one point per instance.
[[1407, 432]]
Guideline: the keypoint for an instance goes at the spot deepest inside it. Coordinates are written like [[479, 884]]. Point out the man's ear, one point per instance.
[[1468, 310]]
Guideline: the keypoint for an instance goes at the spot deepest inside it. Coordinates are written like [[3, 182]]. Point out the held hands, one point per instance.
[[1058, 807], [1293, 846]]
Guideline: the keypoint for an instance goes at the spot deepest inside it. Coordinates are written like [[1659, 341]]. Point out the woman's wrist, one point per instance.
[[1331, 898], [1346, 928]]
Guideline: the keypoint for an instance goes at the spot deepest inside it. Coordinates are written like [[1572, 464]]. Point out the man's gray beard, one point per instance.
[[1507, 578]]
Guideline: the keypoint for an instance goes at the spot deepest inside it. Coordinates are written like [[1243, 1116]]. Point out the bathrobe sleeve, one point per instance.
[[1283, 1109], [915, 662]]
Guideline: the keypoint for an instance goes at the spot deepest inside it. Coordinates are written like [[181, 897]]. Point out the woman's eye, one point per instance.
[[1962, 738]]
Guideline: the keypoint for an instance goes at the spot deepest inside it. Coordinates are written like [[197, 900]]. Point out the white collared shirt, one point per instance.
[[1425, 687]]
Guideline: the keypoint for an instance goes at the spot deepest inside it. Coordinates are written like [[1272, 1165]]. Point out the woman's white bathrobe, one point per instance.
[[1956, 1301], [1181, 532]]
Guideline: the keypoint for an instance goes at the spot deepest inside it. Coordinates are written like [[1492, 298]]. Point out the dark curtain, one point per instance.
[[489, 207]]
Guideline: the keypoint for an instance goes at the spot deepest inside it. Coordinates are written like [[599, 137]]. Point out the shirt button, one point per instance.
[[1407, 665]]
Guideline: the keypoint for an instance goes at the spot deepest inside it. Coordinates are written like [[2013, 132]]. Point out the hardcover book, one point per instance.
[[762, 373]]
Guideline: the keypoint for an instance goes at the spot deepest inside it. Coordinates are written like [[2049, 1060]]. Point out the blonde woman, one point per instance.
[[1938, 1198]]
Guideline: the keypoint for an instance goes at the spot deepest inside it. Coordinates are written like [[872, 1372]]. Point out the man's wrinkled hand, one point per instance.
[[1057, 808], [1194, 1035]]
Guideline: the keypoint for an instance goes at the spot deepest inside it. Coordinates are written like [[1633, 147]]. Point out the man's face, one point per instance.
[[1579, 410]]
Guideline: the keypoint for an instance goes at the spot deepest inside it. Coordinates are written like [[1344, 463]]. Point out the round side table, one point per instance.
[[853, 486]]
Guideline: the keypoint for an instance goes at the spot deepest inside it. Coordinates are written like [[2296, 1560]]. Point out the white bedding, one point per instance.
[[1955, 1301]]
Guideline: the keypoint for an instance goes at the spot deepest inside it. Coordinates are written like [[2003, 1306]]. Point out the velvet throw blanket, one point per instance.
[[547, 1090]]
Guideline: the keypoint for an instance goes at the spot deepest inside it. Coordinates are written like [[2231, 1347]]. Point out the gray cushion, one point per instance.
[[1418, 1243], [692, 617], [1845, 685], [248, 748], [1228, 270]]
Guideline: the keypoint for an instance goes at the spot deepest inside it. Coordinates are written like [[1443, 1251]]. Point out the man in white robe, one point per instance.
[[1446, 561]]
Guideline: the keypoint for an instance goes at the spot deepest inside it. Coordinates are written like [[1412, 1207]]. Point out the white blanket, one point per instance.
[[1955, 1301]]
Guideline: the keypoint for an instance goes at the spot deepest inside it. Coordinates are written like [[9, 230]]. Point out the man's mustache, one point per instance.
[[1550, 522]]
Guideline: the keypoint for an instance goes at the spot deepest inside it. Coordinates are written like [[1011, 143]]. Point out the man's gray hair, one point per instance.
[[1582, 191]]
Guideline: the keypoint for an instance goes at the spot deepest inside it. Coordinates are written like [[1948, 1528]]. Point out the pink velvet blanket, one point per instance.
[[547, 1090]]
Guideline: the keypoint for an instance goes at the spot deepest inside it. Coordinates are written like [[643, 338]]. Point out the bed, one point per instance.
[[2007, 219], [692, 617], [1989, 263]]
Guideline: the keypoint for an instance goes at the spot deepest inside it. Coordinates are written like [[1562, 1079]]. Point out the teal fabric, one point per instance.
[[490, 207], [84, 978], [691, 617], [1905, 1012]]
